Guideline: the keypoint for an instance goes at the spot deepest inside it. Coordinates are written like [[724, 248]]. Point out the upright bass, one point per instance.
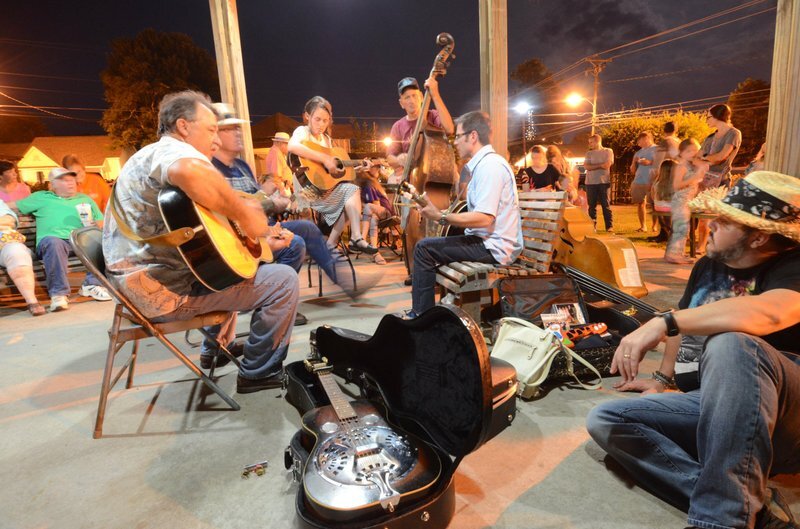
[[430, 165]]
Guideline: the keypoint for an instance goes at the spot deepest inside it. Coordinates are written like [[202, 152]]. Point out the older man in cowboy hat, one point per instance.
[[711, 450]]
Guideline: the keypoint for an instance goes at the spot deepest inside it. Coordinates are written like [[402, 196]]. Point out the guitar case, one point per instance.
[[434, 378]]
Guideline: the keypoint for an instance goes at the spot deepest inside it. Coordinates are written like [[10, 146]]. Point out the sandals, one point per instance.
[[36, 310], [354, 247]]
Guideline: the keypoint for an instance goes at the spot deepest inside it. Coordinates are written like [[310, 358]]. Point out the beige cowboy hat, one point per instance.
[[764, 200], [281, 136], [227, 115]]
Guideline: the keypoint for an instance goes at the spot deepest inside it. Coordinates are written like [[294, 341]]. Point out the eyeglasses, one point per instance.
[[459, 134]]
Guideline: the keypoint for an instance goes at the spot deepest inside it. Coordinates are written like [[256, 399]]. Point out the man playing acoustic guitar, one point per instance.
[[156, 277]]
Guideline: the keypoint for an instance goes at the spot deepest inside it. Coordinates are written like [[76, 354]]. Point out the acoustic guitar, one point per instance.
[[220, 254], [360, 466], [315, 177]]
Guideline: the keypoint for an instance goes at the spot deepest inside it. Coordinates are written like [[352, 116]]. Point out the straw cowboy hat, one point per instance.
[[281, 136], [227, 115], [764, 200]]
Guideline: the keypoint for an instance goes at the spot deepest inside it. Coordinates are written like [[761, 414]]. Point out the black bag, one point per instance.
[[529, 297]]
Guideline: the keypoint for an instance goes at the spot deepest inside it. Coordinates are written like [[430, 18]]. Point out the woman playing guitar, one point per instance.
[[344, 197]]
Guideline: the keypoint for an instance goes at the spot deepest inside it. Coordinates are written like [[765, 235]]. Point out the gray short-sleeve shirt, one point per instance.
[[155, 277]]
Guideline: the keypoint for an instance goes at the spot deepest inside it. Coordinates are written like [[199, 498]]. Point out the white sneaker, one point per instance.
[[95, 291], [58, 303]]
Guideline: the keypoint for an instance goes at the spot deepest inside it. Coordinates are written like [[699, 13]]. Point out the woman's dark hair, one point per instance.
[[6, 165], [721, 112], [319, 102], [662, 186], [669, 127]]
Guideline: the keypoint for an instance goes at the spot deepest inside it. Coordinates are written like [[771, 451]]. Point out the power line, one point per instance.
[[51, 77], [28, 105]]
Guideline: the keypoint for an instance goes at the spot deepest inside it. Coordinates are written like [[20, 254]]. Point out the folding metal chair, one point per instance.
[[87, 243]]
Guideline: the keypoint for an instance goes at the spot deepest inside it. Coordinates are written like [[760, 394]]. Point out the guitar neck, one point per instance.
[[341, 405]]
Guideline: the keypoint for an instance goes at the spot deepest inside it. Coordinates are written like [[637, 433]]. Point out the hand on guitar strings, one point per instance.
[[430, 210], [252, 220], [634, 346], [279, 238]]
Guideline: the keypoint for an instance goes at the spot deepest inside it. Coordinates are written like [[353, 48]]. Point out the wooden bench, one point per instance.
[[27, 227], [466, 283]]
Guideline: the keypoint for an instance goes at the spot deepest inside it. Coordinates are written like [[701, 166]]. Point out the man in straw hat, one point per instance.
[[710, 450]]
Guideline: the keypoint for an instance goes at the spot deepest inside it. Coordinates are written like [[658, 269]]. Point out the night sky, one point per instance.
[[354, 51]]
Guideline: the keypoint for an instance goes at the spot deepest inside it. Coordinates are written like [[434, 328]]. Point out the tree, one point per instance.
[[140, 72], [532, 72], [749, 104], [19, 129], [365, 138]]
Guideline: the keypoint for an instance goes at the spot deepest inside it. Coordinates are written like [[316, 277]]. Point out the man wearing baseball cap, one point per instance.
[[57, 213], [411, 101], [711, 449]]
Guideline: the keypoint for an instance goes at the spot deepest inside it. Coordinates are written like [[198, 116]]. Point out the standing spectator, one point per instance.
[[667, 149], [598, 164], [91, 184], [686, 177], [57, 214], [16, 259], [643, 176], [757, 164], [11, 186], [719, 149], [541, 175]]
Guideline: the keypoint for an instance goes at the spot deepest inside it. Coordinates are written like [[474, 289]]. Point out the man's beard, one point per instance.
[[730, 254]]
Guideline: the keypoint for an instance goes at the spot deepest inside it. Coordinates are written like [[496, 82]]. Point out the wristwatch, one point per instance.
[[443, 219], [672, 325]]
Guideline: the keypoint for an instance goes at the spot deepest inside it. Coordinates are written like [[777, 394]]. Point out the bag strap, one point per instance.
[[543, 363], [573, 355], [173, 238]]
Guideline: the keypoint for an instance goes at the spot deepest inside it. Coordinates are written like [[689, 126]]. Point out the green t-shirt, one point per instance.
[[56, 216]]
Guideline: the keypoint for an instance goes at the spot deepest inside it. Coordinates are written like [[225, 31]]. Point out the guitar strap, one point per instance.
[[173, 238]]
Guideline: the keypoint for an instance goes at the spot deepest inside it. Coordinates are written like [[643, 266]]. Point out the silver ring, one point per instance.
[[626, 356]]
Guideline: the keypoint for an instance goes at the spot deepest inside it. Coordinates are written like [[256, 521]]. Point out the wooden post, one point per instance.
[[783, 140], [494, 69], [228, 46]]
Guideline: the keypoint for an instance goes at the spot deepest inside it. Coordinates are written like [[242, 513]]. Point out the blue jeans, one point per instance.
[[315, 245], [432, 252], [598, 193], [272, 295], [711, 451], [54, 254]]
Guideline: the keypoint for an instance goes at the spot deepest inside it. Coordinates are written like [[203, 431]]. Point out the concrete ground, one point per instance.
[[172, 454]]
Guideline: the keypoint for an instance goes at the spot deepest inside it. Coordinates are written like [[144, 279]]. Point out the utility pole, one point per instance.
[[493, 34], [228, 46], [783, 142], [597, 66]]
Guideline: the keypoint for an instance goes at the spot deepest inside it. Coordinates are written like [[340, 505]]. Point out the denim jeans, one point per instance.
[[54, 254], [432, 252], [598, 193], [272, 295], [711, 451], [315, 245]]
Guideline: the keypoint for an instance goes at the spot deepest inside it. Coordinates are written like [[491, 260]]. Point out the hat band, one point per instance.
[[746, 197]]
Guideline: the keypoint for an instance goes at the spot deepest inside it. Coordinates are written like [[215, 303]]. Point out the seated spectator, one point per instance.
[[57, 213], [377, 208], [11, 186], [712, 450], [16, 259], [541, 175], [91, 184]]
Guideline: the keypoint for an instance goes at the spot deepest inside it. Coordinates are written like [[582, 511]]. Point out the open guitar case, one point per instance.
[[434, 378]]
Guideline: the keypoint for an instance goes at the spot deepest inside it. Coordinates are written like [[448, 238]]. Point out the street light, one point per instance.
[[575, 99], [523, 107], [387, 141]]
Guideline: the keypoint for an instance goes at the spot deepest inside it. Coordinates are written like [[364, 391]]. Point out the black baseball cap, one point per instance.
[[406, 82]]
